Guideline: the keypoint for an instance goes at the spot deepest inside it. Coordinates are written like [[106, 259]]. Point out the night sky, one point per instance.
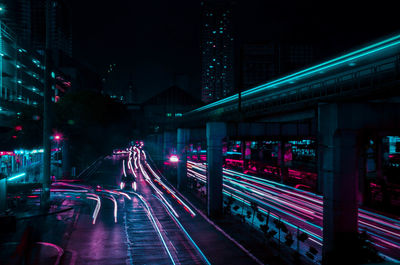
[[152, 40]]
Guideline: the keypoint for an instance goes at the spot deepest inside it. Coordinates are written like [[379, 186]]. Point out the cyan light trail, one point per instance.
[[347, 60], [302, 208]]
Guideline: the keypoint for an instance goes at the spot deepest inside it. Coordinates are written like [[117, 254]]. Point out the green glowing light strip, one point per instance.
[[385, 44]]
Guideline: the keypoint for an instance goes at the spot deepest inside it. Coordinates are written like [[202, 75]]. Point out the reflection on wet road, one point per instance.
[[128, 227]]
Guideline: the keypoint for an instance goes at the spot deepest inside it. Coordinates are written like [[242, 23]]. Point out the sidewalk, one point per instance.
[[39, 235], [249, 239]]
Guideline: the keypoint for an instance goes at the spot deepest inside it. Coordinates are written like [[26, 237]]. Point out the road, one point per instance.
[[301, 210], [153, 224], [127, 227]]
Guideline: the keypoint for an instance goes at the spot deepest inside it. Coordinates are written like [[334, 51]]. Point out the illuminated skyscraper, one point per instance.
[[217, 76], [22, 70]]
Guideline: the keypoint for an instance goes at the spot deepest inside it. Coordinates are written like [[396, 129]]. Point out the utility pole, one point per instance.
[[240, 85], [45, 196]]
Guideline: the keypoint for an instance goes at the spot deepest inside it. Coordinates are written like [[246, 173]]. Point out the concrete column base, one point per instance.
[[183, 136], [216, 131]]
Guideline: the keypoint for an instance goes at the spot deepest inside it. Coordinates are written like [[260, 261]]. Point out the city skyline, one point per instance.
[[136, 41], [199, 132]]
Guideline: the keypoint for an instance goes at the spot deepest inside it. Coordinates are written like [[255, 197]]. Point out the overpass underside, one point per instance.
[[341, 115]]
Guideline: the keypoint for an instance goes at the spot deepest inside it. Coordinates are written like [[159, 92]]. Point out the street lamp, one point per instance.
[[57, 137]]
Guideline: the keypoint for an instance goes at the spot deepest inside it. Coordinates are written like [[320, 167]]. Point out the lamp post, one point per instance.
[[45, 196], [57, 138], [3, 177]]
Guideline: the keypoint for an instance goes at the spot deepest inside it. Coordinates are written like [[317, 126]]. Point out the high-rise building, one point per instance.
[[217, 73], [16, 15], [261, 62], [258, 63], [27, 18], [22, 72]]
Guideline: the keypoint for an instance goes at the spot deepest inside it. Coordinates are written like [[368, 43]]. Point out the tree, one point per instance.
[[26, 131], [94, 124]]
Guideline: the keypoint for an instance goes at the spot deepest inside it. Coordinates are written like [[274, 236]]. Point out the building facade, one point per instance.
[[27, 18], [261, 62], [217, 51], [22, 78]]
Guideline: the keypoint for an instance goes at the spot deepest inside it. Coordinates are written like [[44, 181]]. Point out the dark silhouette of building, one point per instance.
[[217, 50], [27, 18], [163, 110], [75, 75], [261, 62]]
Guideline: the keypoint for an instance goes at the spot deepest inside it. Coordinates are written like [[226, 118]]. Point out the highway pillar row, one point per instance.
[[168, 144], [339, 172], [215, 131], [183, 136]]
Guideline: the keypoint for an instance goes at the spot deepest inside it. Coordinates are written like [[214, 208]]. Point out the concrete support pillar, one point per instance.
[[284, 173], [364, 197], [66, 165], [159, 150], [340, 198], [339, 172], [167, 144], [12, 163], [242, 150], [319, 153], [182, 151], [246, 155], [198, 149], [216, 131], [379, 172]]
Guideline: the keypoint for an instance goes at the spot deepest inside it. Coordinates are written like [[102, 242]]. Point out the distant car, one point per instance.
[[119, 152], [128, 182]]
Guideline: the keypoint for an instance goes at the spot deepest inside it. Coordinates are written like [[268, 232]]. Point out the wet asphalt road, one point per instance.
[[145, 232]]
